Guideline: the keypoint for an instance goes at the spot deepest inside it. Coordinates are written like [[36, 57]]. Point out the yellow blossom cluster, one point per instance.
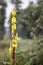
[[13, 29]]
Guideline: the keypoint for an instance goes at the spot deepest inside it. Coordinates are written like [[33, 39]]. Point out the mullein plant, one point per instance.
[[13, 45]]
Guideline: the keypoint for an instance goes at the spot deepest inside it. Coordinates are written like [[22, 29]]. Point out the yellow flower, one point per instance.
[[14, 45], [14, 26], [10, 50], [12, 35], [13, 19], [16, 37], [13, 12], [12, 29], [14, 40]]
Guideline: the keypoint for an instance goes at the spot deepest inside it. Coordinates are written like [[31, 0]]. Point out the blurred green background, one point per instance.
[[30, 34]]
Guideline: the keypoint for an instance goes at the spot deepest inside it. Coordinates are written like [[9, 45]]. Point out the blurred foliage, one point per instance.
[[32, 55], [28, 52], [30, 18], [2, 18]]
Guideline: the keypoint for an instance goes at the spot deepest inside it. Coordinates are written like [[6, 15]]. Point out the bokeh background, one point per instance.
[[29, 28]]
